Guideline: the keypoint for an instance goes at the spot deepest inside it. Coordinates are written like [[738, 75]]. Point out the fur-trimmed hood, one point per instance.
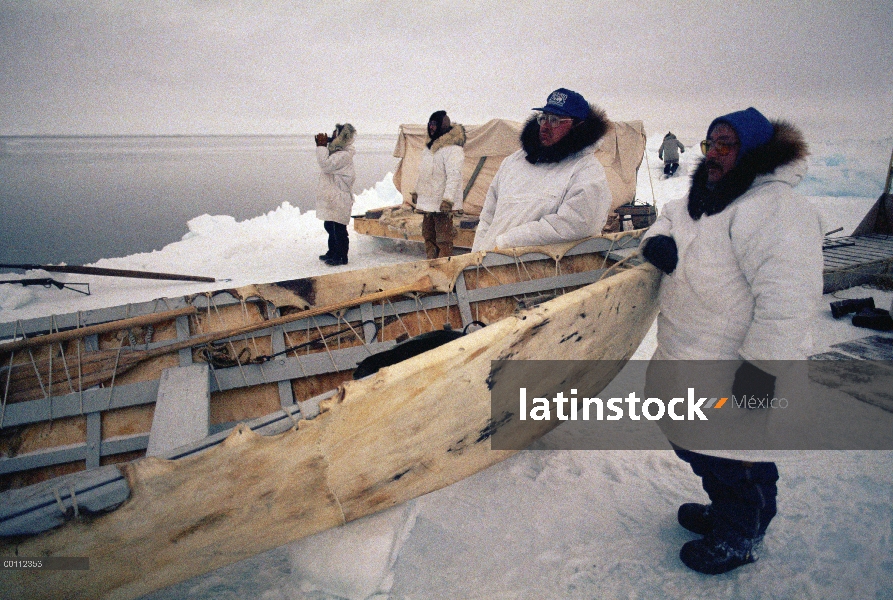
[[786, 146], [587, 133], [454, 137], [344, 138]]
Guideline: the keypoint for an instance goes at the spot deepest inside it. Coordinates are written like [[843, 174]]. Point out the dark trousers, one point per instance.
[[438, 233], [338, 239], [742, 493], [670, 168]]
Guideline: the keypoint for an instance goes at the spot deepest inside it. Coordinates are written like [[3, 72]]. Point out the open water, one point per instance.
[[76, 200]]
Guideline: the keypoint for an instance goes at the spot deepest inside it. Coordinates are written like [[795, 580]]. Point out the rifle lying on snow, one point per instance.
[[80, 270], [47, 282], [28, 380]]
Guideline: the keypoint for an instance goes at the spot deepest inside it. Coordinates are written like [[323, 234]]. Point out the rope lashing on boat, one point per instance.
[[615, 265], [233, 348], [74, 503], [55, 326], [418, 302], [117, 360], [295, 348], [518, 263], [253, 341], [397, 314], [607, 253], [247, 322], [80, 371], [323, 338], [59, 501], [356, 335], [558, 271], [6, 389]]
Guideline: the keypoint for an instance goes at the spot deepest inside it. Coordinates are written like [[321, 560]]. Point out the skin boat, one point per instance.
[[408, 429]]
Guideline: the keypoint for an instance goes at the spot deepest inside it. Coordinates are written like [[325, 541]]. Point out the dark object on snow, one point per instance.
[[874, 318], [753, 382], [407, 349], [742, 497], [661, 252], [696, 518], [714, 555], [852, 305]]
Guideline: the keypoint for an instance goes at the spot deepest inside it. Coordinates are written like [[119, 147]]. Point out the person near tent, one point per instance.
[[742, 263], [553, 189], [669, 153], [438, 191], [334, 192]]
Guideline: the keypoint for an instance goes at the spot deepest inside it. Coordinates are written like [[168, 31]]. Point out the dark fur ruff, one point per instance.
[[585, 134], [786, 146]]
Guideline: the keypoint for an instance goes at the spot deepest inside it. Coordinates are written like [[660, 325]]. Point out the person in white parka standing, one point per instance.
[[438, 191], [742, 262], [334, 192]]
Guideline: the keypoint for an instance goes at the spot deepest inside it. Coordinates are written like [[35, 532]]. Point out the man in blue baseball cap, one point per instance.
[[553, 189], [742, 263]]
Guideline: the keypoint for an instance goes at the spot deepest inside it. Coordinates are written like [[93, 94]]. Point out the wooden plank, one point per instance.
[[182, 412]]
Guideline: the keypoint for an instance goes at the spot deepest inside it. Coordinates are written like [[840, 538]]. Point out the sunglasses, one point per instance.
[[552, 120], [722, 148]]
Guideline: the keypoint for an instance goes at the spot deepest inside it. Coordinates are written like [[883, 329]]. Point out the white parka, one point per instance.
[[440, 171], [747, 283], [748, 278], [334, 192], [544, 203]]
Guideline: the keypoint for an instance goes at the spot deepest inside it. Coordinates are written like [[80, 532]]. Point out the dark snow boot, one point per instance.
[[716, 554], [696, 518], [336, 261], [325, 257]]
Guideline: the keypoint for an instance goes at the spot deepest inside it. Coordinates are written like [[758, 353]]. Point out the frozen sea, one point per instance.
[[76, 200]]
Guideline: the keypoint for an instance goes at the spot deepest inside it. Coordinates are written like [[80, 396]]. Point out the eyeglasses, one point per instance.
[[552, 120], [722, 148]]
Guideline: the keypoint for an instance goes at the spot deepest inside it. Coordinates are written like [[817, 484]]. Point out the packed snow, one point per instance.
[[544, 523]]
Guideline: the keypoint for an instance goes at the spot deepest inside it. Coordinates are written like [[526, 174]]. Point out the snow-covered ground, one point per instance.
[[545, 523]]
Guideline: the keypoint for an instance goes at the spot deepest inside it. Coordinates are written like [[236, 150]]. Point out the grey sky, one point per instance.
[[228, 67]]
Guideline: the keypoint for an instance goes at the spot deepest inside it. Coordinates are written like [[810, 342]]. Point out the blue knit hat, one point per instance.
[[752, 127], [567, 103]]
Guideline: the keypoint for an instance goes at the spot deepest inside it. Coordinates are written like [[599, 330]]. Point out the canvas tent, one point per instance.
[[486, 146]]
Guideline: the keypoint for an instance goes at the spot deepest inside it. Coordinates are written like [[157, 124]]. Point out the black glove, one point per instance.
[[661, 252], [751, 381]]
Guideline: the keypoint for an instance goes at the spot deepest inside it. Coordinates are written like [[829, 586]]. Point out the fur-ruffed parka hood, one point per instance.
[[345, 137], [454, 137], [786, 146], [585, 134]]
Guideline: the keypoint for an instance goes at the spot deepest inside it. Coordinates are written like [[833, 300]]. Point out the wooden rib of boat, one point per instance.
[[409, 429]]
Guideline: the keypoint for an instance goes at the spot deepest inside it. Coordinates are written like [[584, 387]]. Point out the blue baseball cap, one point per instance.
[[752, 127], [567, 103]]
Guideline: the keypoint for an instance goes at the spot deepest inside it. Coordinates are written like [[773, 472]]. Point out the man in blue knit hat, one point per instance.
[[742, 263]]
